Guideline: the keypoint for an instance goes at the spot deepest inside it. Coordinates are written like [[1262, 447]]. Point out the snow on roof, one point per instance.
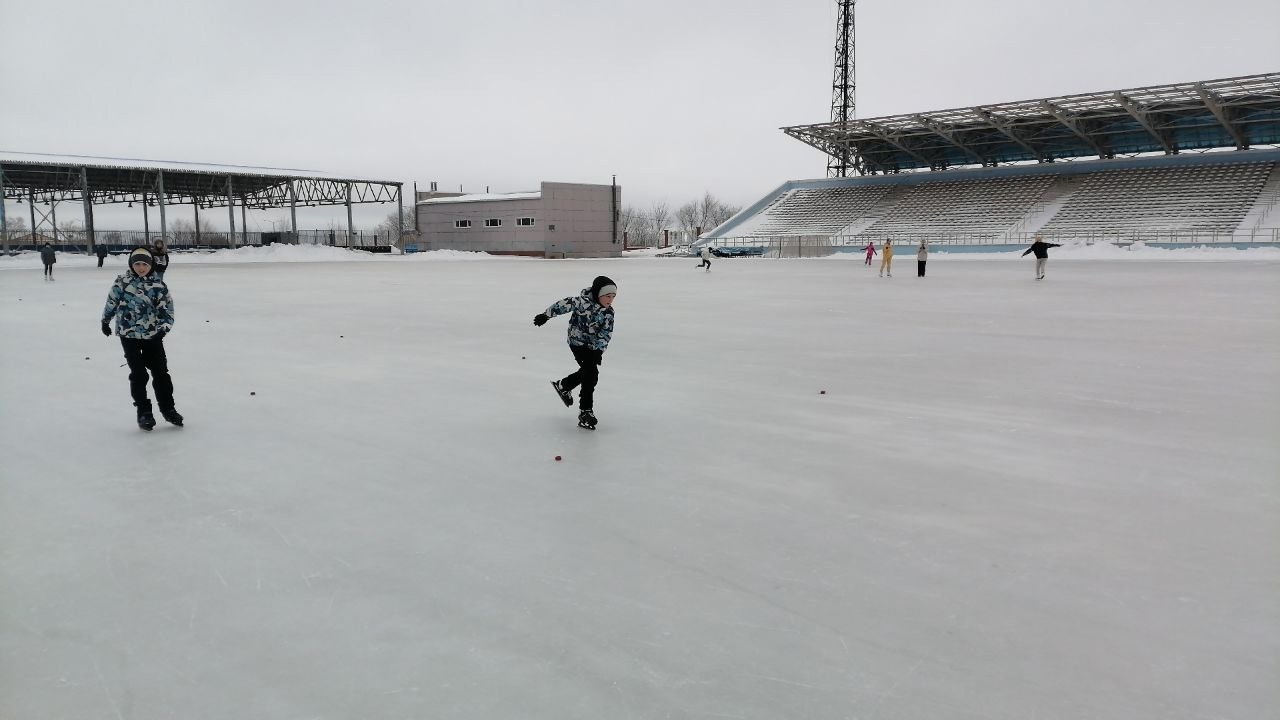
[[137, 163], [483, 197]]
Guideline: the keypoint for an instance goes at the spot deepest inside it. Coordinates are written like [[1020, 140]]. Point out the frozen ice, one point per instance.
[[1015, 500]]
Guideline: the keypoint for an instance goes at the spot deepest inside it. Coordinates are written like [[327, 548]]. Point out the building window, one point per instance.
[[462, 223], [493, 222], [524, 222]]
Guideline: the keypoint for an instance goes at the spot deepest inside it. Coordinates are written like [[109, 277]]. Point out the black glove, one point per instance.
[[106, 329], [540, 319], [160, 335], [599, 357]]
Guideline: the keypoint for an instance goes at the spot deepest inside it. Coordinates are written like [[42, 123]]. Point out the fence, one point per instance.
[[125, 240]]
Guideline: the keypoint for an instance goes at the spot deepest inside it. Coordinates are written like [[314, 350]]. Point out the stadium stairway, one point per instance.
[[1043, 211], [1265, 212]]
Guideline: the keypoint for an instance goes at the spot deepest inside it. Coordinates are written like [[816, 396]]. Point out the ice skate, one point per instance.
[[172, 417], [146, 420], [587, 420], [566, 396]]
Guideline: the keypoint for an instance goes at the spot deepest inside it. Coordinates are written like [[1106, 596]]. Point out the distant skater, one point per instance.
[[922, 257], [1041, 249], [706, 258], [140, 303], [886, 259], [101, 251], [871, 251], [590, 329], [48, 256], [161, 256]]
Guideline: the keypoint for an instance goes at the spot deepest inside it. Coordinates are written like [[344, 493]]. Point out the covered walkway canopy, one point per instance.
[[1237, 113], [41, 178]]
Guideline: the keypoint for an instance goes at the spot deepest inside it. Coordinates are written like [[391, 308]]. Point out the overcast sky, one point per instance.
[[673, 96]]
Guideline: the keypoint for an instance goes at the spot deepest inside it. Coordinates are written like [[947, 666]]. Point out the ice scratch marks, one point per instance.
[[102, 681], [875, 709]]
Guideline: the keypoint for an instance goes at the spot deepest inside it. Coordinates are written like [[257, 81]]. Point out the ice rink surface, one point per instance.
[[1015, 499]]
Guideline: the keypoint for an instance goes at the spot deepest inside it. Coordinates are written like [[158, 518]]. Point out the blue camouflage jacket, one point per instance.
[[141, 305], [591, 324]]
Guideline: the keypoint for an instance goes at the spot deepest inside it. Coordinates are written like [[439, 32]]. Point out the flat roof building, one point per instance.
[[559, 220]]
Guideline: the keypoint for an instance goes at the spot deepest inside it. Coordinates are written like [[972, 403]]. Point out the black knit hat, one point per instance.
[[141, 255], [602, 283]]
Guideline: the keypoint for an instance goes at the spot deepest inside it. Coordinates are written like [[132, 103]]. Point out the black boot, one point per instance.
[[587, 420], [146, 420], [172, 417]]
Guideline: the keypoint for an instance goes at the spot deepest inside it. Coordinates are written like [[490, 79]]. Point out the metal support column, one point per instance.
[[53, 210], [400, 219], [231, 215], [4, 225], [196, 204], [350, 226], [31, 203], [164, 229], [146, 219], [88, 210], [293, 208], [244, 222]]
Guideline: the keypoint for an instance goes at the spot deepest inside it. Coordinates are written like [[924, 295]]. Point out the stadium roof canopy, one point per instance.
[[1237, 113], [103, 180]]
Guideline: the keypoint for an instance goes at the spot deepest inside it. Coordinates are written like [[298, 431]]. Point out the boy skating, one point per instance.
[[590, 329], [48, 256], [143, 309]]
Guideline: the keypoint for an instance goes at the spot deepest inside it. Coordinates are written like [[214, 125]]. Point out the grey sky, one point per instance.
[[673, 96]]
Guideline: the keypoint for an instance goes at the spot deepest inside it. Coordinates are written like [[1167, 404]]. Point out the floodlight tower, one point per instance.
[[843, 88]]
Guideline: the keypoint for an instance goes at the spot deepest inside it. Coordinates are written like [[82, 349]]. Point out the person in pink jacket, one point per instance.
[[871, 251]]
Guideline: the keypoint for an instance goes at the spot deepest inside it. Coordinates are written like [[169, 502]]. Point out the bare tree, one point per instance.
[[706, 213], [659, 218], [386, 231], [183, 232]]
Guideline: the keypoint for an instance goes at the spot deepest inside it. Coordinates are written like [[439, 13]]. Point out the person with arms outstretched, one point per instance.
[[590, 330], [1041, 249]]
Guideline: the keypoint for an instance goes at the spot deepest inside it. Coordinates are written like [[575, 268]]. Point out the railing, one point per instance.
[[1115, 237]]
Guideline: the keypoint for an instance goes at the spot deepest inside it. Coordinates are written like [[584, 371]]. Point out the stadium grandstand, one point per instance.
[[1187, 163]]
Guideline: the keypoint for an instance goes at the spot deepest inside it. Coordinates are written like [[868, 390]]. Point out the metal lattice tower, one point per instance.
[[843, 88]]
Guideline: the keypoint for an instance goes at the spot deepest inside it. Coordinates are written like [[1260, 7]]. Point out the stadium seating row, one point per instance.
[[1212, 198]]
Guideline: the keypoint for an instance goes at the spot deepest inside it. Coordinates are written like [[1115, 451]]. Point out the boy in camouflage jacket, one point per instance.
[[590, 329], [143, 309]]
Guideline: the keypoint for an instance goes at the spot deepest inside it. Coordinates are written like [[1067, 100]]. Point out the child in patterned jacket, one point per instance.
[[143, 309], [590, 329]]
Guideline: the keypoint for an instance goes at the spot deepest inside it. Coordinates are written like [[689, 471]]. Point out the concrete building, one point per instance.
[[560, 220]]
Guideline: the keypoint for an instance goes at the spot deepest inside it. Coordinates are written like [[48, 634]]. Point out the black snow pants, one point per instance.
[[586, 376], [143, 355]]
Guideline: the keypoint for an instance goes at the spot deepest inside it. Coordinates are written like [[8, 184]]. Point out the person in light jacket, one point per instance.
[[706, 258], [922, 257]]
